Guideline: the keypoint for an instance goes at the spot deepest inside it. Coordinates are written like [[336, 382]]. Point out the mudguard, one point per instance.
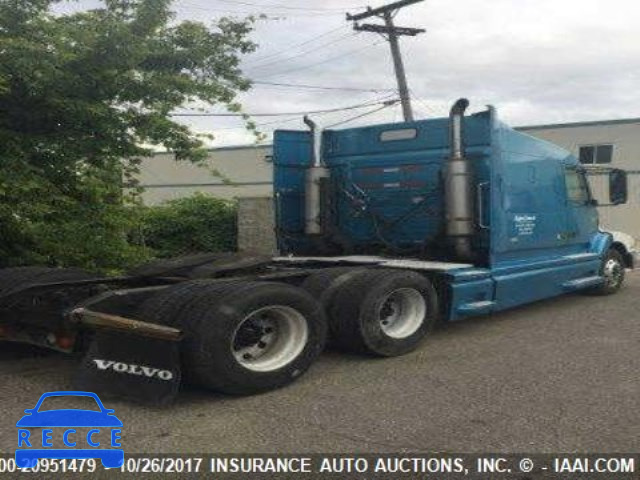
[[122, 365]]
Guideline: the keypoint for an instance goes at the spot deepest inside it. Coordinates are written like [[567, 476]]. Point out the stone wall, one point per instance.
[[256, 225]]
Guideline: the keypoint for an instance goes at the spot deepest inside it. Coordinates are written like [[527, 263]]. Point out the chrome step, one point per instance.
[[580, 283], [473, 308]]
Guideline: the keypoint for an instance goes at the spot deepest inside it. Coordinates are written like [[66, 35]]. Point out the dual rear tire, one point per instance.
[[245, 337], [382, 312], [241, 337]]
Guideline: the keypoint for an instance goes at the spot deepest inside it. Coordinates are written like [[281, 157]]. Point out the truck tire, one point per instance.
[[383, 312], [318, 283], [166, 307], [325, 283], [243, 338], [612, 270]]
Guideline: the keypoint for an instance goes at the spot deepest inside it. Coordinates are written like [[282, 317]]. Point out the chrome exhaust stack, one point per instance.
[[313, 176], [458, 183]]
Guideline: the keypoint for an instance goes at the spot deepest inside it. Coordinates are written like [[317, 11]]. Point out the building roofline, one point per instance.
[[226, 148], [591, 123], [240, 147], [594, 123]]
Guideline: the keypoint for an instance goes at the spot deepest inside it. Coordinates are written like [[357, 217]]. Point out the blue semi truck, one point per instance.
[[383, 231]]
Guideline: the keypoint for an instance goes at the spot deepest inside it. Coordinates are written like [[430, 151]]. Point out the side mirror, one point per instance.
[[617, 187]]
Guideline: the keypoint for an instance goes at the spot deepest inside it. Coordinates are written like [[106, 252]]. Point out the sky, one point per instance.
[[536, 61]]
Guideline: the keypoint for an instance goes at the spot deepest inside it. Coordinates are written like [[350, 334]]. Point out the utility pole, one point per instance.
[[391, 33]]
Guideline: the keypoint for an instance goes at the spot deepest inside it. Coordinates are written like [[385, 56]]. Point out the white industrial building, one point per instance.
[[229, 172], [245, 172]]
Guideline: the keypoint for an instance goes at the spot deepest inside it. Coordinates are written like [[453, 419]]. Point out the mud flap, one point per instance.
[[132, 367]]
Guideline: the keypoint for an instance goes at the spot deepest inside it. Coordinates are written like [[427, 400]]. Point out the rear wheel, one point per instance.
[[383, 312], [402, 312], [244, 337], [269, 338], [168, 306], [324, 284]]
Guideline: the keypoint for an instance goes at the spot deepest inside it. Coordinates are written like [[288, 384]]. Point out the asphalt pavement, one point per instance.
[[556, 376]]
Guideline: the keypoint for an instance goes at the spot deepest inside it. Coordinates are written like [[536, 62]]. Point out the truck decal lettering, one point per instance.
[[524, 224], [140, 370]]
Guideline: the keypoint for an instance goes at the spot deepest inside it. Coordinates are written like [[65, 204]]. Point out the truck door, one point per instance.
[[549, 219], [582, 215]]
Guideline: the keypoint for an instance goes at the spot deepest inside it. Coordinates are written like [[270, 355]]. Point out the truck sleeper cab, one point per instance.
[[530, 220]]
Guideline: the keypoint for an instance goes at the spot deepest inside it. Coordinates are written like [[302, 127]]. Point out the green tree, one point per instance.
[[83, 97]]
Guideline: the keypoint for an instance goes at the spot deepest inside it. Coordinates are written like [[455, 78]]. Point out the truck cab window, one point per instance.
[[577, 188]]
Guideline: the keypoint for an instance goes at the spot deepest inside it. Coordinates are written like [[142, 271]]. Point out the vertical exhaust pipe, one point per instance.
[[458, 183], [315, 172]]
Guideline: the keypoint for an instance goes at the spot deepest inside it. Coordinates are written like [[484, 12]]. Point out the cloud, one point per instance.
[[536, 61]]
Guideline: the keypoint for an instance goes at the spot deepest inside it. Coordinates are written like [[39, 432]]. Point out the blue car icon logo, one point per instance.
[[33, 445]]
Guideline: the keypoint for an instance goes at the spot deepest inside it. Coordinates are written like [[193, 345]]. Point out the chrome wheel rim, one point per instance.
[[402, 312], [613, 272], [269, 338]]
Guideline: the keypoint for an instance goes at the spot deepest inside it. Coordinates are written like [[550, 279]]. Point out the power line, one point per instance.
[[319, 87], [422, 102], [301, 44], [305, 67], [384, 100], [183, 8], [387, 104], [329, 110], [304, 52], [264, 124], [258, 13], [391, 32], [381, 11], [285, 7]]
